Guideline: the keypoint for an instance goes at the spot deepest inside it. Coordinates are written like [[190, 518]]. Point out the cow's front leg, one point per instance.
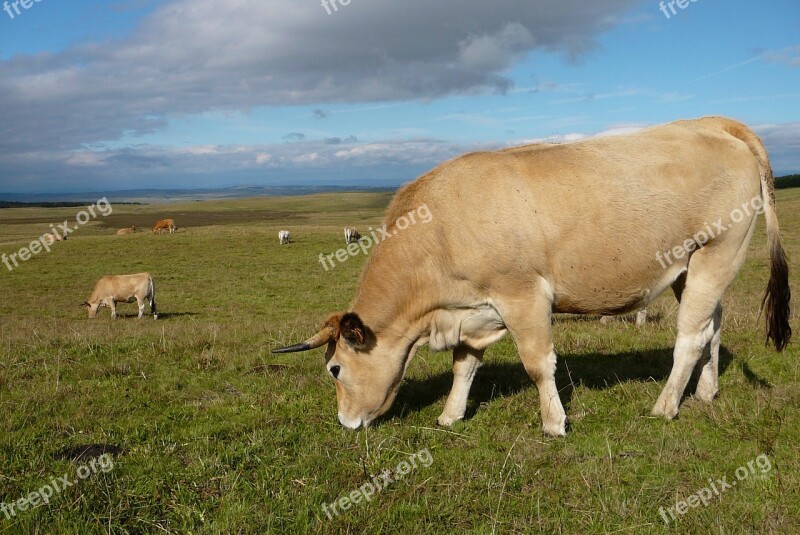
[[528, 321], [466, 362]]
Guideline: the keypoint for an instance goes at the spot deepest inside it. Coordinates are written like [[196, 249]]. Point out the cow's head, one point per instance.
[[367, 369], [91, 308]]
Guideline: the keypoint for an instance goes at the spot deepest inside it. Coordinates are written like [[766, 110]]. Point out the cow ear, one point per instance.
[[353, 330]]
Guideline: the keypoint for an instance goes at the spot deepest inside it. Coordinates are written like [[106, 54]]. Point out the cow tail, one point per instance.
[[152, 292], [775, 303]]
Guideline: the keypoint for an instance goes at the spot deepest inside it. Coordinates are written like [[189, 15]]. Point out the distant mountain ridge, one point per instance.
[[146, 196], [173, 195]]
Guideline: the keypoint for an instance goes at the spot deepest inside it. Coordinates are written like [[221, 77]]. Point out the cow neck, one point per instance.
[[393, 301]]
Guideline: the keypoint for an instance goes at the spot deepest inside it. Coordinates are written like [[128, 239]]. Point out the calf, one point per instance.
[[284, 237], [123, 231], [113, 289]]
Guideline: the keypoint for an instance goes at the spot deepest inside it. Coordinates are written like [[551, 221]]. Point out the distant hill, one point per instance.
[[789, 181], [53, 204], [152, 196]]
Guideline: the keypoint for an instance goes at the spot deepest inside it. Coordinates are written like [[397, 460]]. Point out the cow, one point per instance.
[[113, 289], [284, 237], [351, 235], [123, 231], [164, 224], [519, 234], [641, 318], [52, 237]]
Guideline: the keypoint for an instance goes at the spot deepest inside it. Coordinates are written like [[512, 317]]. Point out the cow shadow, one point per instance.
[[161, 315], [168, 315], [594, 371]]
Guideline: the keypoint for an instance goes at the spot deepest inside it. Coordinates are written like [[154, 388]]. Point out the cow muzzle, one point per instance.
[[354, 423]]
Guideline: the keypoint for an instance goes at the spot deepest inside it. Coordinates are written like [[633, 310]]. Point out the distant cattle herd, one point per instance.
[[113, 289]]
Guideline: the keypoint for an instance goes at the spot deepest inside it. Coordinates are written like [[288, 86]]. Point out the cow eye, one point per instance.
[[335, 371]]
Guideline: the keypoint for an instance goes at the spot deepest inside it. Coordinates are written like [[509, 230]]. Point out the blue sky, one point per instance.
[[203, 93]]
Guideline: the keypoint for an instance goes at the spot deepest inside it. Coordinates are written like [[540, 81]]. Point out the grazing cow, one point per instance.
[[123, 231], [284, 237], [351, 235], [164, 224], [52, 237], [113, 289], [580, 228], [641, 318]]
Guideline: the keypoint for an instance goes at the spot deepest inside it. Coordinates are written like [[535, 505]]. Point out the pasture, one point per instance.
[[219, 436]]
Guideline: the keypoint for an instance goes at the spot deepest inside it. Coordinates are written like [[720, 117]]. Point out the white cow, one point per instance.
[[284, 237], [351, 235]]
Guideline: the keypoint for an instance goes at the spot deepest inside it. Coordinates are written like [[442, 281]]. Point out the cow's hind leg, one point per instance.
[[708, 383], [528, 321], [710, 272], [140, 303], [466, 362]]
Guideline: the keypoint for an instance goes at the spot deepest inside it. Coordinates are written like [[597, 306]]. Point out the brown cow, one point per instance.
[[113, 289], [123, 231], [164, 224]]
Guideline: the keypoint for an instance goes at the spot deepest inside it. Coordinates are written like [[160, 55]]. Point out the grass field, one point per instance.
[[216, 435]]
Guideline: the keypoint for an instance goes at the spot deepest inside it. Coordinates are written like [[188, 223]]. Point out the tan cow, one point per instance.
[[164, 224], [52, 237], [579, 228], [124, 231], [113, 289]]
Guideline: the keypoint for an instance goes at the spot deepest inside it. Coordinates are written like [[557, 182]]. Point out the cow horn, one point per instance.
[[327, 334]]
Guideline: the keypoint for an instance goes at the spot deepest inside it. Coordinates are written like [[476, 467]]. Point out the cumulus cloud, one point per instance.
[[191, 56]]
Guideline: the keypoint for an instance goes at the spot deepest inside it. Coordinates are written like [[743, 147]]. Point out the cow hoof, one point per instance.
[[706, 394], [557, 430], [662, 410], [447, 421]]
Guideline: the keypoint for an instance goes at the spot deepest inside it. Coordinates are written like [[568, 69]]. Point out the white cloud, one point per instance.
[[194, 56]]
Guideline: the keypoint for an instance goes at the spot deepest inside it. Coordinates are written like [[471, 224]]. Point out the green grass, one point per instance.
[[220, 436]]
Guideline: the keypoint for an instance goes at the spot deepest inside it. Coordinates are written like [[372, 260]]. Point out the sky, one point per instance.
[[140, 94]]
